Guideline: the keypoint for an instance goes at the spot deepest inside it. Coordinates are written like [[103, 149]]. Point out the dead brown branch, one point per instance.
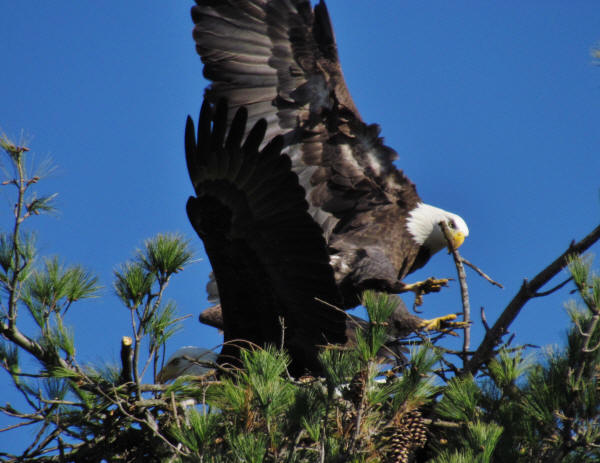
[[126, 360], [552, 290], [480, 272], [528, 290], [464, 290], [484, 320], [442, 423]]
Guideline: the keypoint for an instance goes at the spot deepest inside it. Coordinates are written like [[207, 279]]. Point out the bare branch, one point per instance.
[[442, 423], [18, 425], [464, 290], [126, 360], [484, 320], [527, 291], [550, 291], [282, 324], [480, 272]]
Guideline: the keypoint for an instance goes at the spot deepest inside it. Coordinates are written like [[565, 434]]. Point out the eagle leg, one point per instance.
[[443, 324], [431, 285]]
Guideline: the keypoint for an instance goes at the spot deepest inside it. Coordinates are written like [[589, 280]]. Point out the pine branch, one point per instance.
[[16, 154]]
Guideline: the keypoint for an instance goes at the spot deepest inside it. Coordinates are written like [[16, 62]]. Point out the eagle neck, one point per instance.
[[422, 224]]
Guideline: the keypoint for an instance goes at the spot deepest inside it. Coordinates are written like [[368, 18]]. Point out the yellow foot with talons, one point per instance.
[[435, 324], [443, 324], [431, 285]]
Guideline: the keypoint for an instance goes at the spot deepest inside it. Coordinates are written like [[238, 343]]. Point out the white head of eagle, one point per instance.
[[188, 360], [423, 224]]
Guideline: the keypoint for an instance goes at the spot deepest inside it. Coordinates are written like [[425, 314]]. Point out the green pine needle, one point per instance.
[[250, 448], [198, 432], [460, 400], [132, 283], [165, 254]]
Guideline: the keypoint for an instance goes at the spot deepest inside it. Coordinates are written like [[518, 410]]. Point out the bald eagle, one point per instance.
[[278, 59], [188, 360], [272, 272]]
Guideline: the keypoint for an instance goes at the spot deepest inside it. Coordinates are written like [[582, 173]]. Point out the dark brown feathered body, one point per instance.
[[402, 324], [278, 58], [268, 255]]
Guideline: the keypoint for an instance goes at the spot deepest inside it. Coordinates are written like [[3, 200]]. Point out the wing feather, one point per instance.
[[279, 59], [268, 255]]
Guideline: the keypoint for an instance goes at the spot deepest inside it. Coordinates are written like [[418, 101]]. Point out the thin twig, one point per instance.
[[10, 411], [464, 290], [14, 294], [119, 403], [484, 320], [282, 324], [28, 451], [442, 423], [152, 308], [480, 272], [510, 340], [550, 291], [18, 425]]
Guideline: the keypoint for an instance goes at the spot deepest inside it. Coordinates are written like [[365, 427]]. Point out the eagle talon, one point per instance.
[[443, 324], [430, 285], [435, 324]]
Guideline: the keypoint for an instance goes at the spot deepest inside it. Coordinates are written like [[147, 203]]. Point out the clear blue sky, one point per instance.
[[493, 109]]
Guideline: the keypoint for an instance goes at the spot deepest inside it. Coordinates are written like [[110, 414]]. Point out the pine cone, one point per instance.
[[407, 435], [356, 388]]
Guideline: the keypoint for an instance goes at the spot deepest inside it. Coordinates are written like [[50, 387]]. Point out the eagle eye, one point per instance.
[[452, 224]]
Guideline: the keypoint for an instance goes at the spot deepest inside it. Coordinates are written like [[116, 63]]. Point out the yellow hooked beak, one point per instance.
[[458, 238]]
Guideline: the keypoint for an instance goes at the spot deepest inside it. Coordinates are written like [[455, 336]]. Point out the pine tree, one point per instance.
[[501, 405]]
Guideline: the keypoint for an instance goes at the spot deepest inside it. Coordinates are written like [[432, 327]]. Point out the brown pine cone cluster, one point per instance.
[[406, 436], [356, 388]]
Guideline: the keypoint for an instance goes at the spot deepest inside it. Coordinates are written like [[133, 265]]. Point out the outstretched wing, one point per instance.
[[278, 58], [268, 255]]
